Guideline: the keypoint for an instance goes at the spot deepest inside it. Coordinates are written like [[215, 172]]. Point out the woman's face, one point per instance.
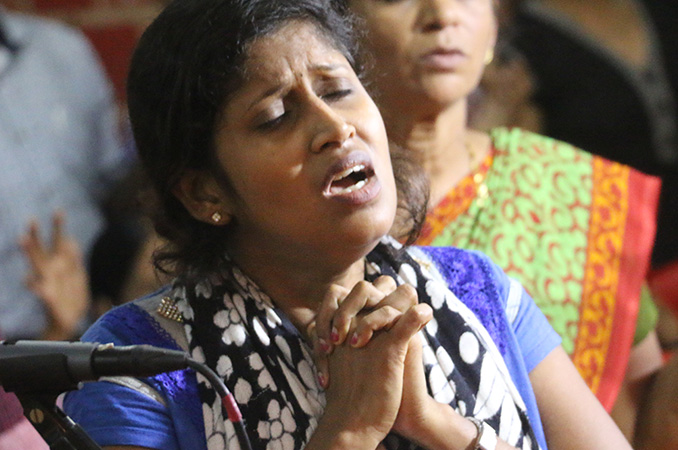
[[427, 49], [305, 150]]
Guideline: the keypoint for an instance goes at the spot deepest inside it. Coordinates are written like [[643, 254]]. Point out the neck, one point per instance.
[[441, 143], [296, 282]]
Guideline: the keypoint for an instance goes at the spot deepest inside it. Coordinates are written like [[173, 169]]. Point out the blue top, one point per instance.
[[130, 417], [59, 149]]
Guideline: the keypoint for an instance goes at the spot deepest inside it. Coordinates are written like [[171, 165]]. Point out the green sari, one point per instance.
[[575, 229]]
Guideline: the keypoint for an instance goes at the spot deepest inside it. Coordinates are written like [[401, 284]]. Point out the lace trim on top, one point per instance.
[[472, 281], [180, 386]]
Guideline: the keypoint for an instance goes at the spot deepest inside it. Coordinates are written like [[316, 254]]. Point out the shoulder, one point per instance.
[[135, 323], [551, 162], [461, 269], [517, 142], [475, 280]]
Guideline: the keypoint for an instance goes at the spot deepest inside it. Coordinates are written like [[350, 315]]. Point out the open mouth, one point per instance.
[[350, 180]]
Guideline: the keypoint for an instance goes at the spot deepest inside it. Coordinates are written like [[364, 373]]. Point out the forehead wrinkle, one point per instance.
[[300, 53], [268, 71]]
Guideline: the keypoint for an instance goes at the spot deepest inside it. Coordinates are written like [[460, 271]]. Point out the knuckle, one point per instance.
[[362, 287], [386, 282], [409, 292]]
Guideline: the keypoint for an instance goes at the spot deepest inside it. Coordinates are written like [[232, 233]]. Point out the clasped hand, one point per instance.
[[369, 358]]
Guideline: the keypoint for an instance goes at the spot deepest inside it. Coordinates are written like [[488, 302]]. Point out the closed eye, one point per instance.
[[337, 95], [269, 124]]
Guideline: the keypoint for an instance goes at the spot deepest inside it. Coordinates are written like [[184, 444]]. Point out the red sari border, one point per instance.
[[454, 204], [603, 346]]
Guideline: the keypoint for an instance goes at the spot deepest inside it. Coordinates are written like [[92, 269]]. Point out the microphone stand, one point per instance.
[[56, 428], [40, 408]]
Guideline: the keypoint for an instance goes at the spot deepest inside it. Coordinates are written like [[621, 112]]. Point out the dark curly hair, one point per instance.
[[185, 67]]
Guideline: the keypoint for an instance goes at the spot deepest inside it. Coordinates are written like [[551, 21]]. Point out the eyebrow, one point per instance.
[[279, 87]]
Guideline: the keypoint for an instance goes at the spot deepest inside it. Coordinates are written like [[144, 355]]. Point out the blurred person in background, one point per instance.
[[119, 268], [575, 229], [60, 153]]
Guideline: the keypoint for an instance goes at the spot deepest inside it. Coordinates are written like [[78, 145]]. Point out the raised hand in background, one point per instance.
[[58, 276]]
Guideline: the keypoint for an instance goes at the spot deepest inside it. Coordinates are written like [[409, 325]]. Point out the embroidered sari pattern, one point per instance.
[[555, 220], [606, 238]]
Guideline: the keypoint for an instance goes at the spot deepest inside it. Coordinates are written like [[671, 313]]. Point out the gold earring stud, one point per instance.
[[489, 56], [216, 217]]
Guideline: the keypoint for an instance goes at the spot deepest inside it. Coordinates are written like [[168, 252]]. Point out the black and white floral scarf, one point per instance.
[[239, 332]]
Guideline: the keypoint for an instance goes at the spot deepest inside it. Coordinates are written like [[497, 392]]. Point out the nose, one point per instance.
[[331, 129], [438, 14]]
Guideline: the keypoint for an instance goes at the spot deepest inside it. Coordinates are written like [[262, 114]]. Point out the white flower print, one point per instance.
[[432, 327], [284, 348], [224, 319], [277, 430], [461, 407], [510, 425], [214, 427], [261, 332], [230, 320], [441, 388], [437, 293], [446, 364], [184, 308], [469, 347], [272, 318], [242, 391], [236, 302], [264, 380], [224, 366], [407, 273], [372, 268], [198, 355], [234, 334], [203, 289]]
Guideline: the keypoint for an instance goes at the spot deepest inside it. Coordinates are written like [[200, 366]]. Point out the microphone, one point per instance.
[[53, 367], [49, 368]]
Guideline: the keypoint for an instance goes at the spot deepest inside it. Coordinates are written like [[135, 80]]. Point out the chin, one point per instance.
[[365, 230], [445, 89]]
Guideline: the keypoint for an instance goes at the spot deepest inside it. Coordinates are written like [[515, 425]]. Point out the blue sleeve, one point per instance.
[[535, 336], [116, 415]]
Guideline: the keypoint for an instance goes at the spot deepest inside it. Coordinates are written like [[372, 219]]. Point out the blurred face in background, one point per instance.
[[427, 51]]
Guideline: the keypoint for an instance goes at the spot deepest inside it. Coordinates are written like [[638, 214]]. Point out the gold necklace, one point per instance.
[[482, 192]]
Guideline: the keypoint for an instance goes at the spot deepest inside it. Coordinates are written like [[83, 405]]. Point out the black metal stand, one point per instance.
[[56, 428]]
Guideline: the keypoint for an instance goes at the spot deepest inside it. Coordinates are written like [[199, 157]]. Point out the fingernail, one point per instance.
[[324, 346], [354, 339], [321, 379], [334, 335]]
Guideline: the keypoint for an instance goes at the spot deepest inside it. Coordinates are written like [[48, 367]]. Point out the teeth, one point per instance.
[[354, 187], [348, 172]]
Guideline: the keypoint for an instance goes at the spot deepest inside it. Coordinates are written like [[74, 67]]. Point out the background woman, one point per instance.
[[574, 229], [275, 189]]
